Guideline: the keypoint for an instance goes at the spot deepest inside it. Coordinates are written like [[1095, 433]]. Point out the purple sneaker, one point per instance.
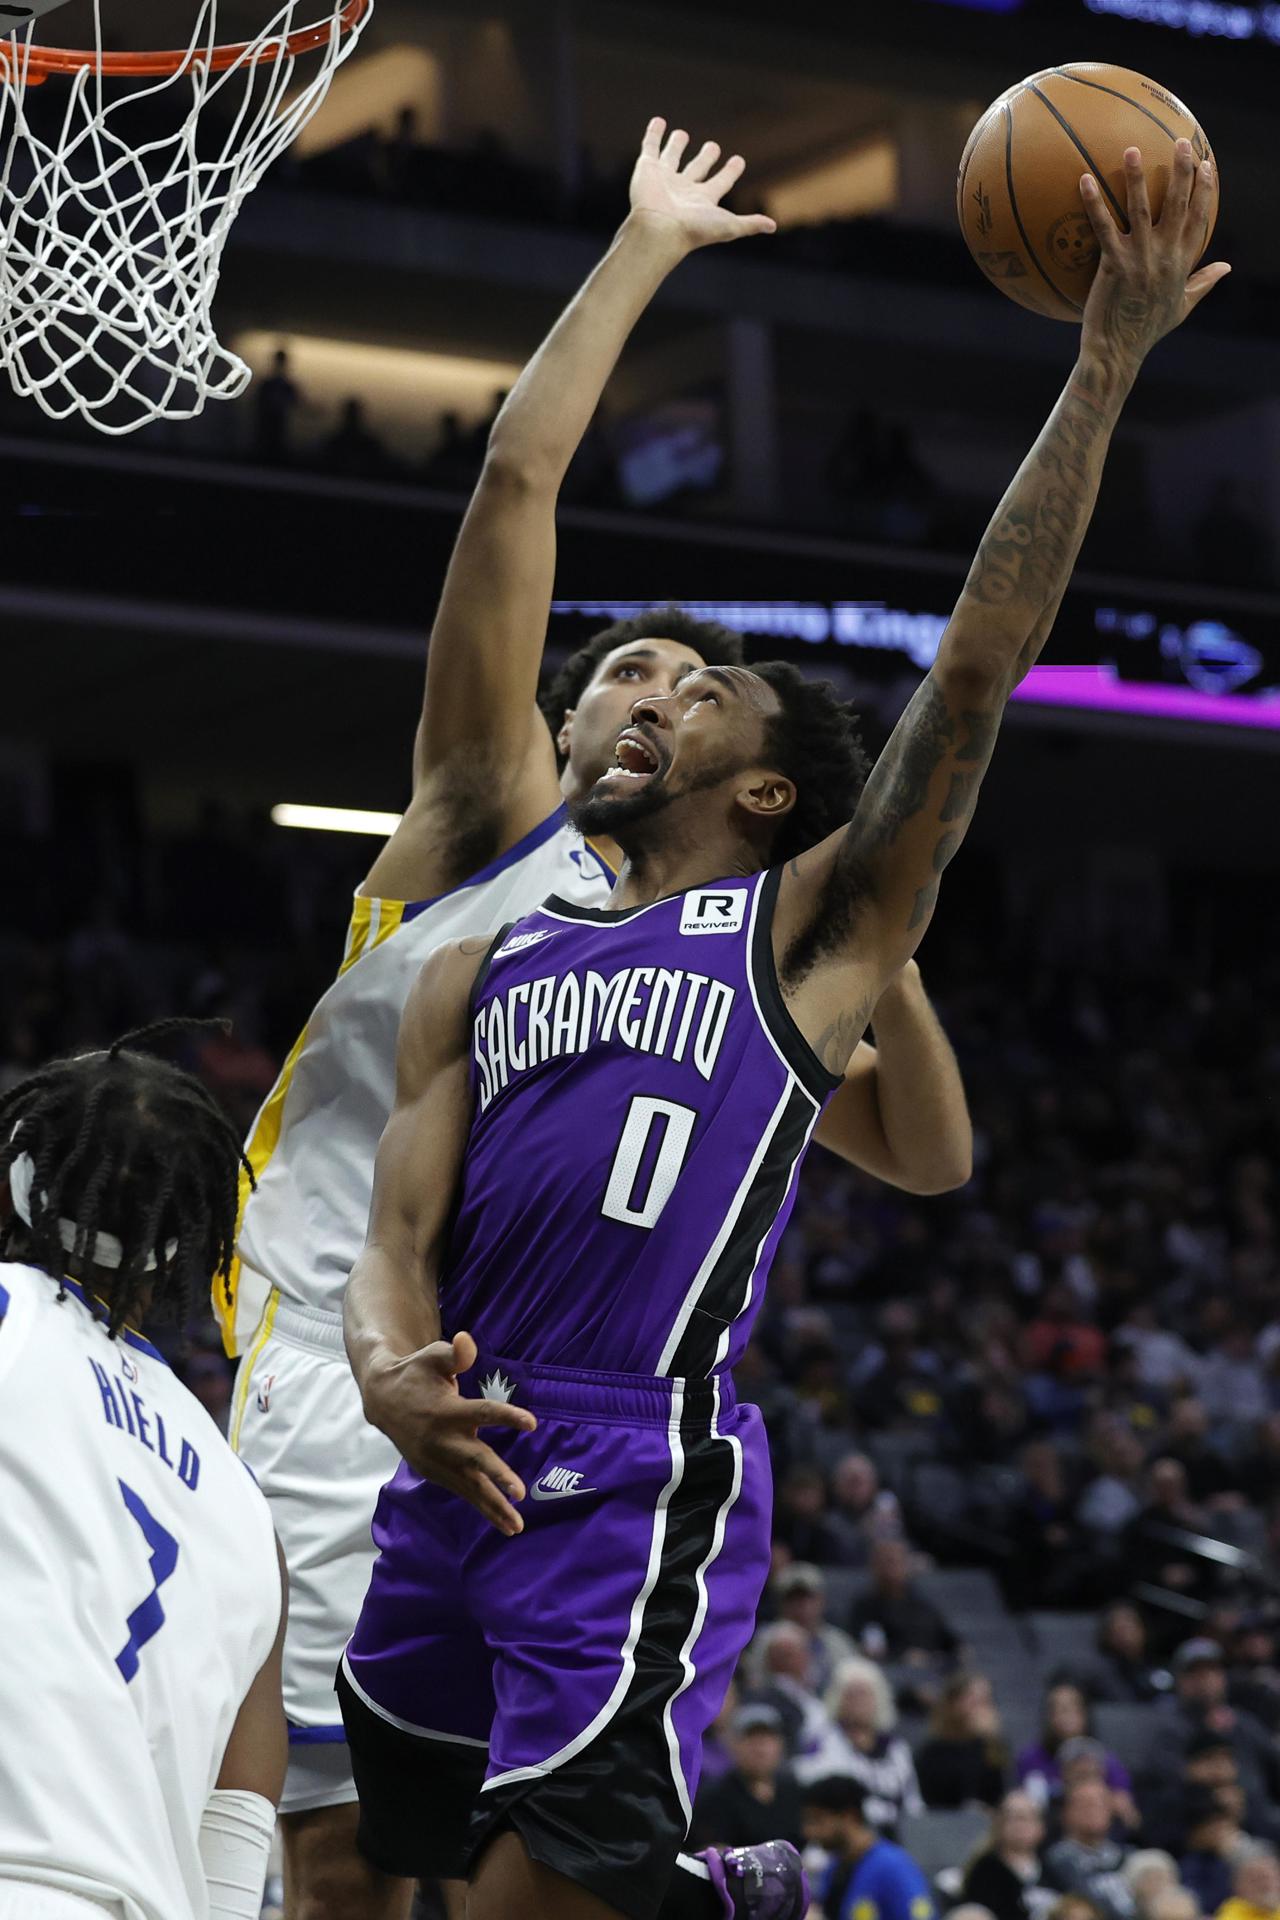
[[759, 1883]]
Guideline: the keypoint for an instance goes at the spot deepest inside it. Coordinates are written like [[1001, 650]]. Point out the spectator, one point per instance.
[[1187, 1439], [862, 1744], [1199, 1704], [208, 1376], [1174, 1903], [800, 1517], [894, 1620], [276, 402], [1208, 1762], [1064, 1725], [1233, 1385], [1253, 1682], [964, 1759], [1255, 1886], [1152, 1537], [1111, 1500], [1086, 1859], [1123, 1674], [860, 1510], [354, 449], [802, 1599], [757, 1799], [1214, 1842], [1148, 1873], [781, 1659], [1061, 1341], [1007, 1877], [899, 1385], [867, 1874]]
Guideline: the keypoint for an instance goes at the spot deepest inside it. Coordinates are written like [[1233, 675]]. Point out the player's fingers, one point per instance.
[[651, 145], [673, 152], [703, 160], [729, 175], [463, 1350], [1099, 216], [490, 1413], [1201, 204], [1139, 205], [1181, 182], [749, 223], [476, 1487], [1205, 281]]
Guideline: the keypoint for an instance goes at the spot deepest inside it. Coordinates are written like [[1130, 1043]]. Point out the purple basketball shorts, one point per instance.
[[559, 1683]]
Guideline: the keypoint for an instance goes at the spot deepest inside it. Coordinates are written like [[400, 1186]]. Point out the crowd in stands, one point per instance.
[[1064, 1379]]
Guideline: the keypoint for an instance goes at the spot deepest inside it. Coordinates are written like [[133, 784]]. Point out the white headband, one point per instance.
[[102, 1249]]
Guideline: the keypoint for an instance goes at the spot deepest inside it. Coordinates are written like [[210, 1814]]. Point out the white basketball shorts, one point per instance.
[[298, 1424]]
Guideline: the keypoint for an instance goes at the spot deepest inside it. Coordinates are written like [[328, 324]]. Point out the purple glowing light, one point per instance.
[[1098, 689]]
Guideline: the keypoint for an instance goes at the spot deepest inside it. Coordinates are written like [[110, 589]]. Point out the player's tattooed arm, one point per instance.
[[406, 1371], [870, 891]]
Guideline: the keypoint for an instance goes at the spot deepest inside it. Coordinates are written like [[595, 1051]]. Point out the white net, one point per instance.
[[116, 199]]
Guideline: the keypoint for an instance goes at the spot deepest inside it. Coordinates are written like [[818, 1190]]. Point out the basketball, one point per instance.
[[1018, 186]]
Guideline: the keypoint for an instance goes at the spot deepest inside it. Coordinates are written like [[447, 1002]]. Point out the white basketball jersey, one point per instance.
[[313, 1145], [139, 1598]]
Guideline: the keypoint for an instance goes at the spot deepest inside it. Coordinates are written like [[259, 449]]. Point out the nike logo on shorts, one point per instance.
[[558, 1483]]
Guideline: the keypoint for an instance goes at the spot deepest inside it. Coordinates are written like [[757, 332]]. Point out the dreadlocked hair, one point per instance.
[[815, 742], [719, 647], [127, 1144]]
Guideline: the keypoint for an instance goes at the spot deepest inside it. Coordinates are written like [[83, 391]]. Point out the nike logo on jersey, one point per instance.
[[519, 941], [558, 1483]]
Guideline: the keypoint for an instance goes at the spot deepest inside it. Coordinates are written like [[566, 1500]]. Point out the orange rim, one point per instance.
[[42, 62]]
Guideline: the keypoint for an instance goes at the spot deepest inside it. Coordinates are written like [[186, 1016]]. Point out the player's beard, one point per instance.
[[619, 814]]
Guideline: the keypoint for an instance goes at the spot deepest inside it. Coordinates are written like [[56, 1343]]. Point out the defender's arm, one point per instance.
[[484, 766], [865, 896], [407, 1373], [901, 1113]]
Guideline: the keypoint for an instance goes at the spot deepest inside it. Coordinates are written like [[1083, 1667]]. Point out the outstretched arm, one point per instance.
[[484, 768], [407, 1373], [901, 1113], [853, 910]]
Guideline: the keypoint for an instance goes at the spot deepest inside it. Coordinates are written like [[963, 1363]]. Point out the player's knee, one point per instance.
[[327, 1877]]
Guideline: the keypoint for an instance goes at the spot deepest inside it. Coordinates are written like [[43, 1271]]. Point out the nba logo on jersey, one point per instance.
[[714, 910]]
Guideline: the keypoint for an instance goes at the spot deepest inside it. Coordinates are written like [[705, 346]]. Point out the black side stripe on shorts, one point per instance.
[[621, 1789], [724, 1292]]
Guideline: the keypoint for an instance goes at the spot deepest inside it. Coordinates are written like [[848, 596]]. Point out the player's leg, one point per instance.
[[325, 1875], [416, 1694], [298, 1424], [507, 1881]]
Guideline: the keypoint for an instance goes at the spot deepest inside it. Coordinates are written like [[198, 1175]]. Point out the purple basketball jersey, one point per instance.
[[643, 1101]]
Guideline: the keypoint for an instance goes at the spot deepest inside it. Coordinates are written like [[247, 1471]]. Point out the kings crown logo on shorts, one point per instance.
[[714, 910], [497, 1386]]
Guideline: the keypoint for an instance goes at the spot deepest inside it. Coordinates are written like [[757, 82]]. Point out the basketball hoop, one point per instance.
[[111, 245]]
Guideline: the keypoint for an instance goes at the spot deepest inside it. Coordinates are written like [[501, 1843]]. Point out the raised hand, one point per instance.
[[1144, 286], [689, 199], [416, 1403]]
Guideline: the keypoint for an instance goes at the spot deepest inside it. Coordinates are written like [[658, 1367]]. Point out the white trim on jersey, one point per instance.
[[406, 1726], [700, 1615], [626, 1672], [727, 1226]]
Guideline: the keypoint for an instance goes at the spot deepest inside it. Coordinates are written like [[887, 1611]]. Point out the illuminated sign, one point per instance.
[[1218, 19], [1213, 661]]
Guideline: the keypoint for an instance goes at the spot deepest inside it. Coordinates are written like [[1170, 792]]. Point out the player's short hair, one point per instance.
[[719, 647], [815, 742], [126, 1144]]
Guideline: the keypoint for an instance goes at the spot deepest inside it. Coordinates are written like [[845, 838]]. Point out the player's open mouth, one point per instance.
[[634, 758]]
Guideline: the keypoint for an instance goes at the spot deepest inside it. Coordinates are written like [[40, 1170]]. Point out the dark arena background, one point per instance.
[[1025, 1433]]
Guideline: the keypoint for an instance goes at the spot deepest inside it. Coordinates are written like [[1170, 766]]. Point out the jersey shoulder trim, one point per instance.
[[775, 1015], [522, 848]]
